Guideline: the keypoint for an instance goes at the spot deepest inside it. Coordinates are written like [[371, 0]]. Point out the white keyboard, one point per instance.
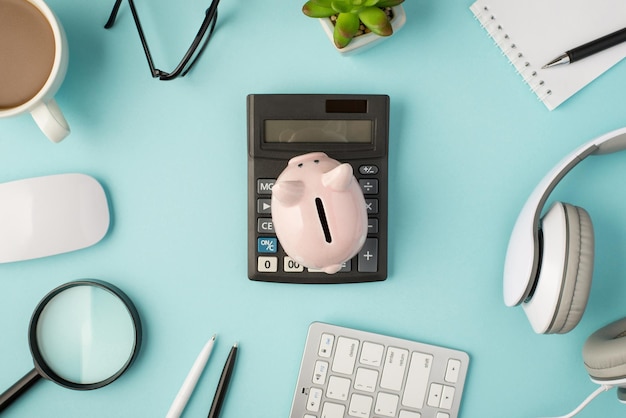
[[351, 373]]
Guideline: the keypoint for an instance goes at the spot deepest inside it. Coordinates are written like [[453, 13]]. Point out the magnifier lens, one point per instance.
[[85, 334]]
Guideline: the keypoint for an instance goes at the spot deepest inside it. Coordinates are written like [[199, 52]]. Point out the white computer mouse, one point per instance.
[[50, 215]]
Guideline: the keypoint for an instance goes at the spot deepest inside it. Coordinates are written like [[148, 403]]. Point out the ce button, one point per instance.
[[265, 226]]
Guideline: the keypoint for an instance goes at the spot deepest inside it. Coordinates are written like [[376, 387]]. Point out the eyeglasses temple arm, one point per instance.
[[155, 72], [111, 21]]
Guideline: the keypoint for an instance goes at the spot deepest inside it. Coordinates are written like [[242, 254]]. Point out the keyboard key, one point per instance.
[[345, 355], [417, 380], [360, 406], [452, 370], [447, 397], [393, 369], [338, 388], [333, 410], [386, 404], [365, 379], [314, 400], [320, 372], [434, 395], [408, 414], [372, 354], [326, 345]]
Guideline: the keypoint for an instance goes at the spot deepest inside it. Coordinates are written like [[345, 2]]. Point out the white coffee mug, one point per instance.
[[37, 97]]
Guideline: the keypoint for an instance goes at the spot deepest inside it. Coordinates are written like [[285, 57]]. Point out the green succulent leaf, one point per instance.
[[370, 3], [346, 27], [389, 3], [312, 9], [376, 20], [342, 6], [324, 3]]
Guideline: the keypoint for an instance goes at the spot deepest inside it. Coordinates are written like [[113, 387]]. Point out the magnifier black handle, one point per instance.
[[18, 388]]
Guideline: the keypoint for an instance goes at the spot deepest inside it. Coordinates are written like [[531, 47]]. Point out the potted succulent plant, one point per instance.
[[352, 24]]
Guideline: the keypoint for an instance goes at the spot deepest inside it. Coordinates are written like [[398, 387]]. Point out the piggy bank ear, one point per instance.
[[288, 192], [339, 178]]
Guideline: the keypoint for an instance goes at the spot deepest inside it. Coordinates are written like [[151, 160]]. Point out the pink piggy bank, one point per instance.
[[319, 212]]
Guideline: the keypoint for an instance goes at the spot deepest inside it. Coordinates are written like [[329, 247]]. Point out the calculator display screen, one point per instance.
[[319, 131]]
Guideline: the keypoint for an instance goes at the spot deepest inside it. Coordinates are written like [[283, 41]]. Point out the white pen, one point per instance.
[[190, 381]]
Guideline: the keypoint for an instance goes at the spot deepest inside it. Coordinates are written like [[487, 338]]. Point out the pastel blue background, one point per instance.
[[468, 142]]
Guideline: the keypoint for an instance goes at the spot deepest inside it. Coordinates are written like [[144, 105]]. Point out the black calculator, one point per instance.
[[351, 129]]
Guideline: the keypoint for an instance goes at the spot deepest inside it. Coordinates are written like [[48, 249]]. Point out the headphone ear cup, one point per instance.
[[578, 270], [564, 279], [604, 352]]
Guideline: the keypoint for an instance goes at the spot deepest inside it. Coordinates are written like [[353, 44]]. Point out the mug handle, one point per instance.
[[50, 120]]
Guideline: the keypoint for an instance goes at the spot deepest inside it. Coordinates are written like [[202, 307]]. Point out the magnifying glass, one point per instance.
[[83, 335]]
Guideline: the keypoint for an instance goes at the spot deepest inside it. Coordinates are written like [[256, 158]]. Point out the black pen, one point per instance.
[[222, 386], [589, 48]]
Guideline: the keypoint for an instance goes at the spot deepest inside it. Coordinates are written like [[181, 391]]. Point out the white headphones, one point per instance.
[[549, 266]]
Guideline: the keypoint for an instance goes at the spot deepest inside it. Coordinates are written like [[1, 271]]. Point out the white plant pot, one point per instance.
[[369, 39]]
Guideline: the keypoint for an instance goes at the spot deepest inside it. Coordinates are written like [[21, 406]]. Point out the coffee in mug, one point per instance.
[[33, 62]]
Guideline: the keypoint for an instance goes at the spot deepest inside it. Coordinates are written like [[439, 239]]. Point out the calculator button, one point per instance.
[[393, 368], [314, 400], [365, 379], [368, 169], [386, 404], [417, 380], [452, 370], [267, 264], [447, 397], [372, 226], [333, 410], [360, 406], [338, 388], [291, 266], [264, 186], [320, 372], [372, 206], [264, 206], [369, 186], [345, 267], [442, 415], [345, 355], [372, 354], [434, 395], [326, 345], [265, 226], [267, 245], [313, 416], [368, 256]]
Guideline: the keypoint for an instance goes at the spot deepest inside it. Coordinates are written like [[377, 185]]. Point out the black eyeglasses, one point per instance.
[[194, 51]]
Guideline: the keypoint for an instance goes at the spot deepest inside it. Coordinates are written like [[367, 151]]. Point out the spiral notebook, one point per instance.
[[533, 32]]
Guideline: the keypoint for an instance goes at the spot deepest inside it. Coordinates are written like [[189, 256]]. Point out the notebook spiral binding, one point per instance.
[[529, 73]]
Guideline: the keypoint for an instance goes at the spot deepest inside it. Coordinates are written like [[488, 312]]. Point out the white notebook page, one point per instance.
[[533, 32]]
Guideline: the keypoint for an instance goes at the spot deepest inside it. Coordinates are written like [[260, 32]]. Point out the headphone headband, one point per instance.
[[522, 257]]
